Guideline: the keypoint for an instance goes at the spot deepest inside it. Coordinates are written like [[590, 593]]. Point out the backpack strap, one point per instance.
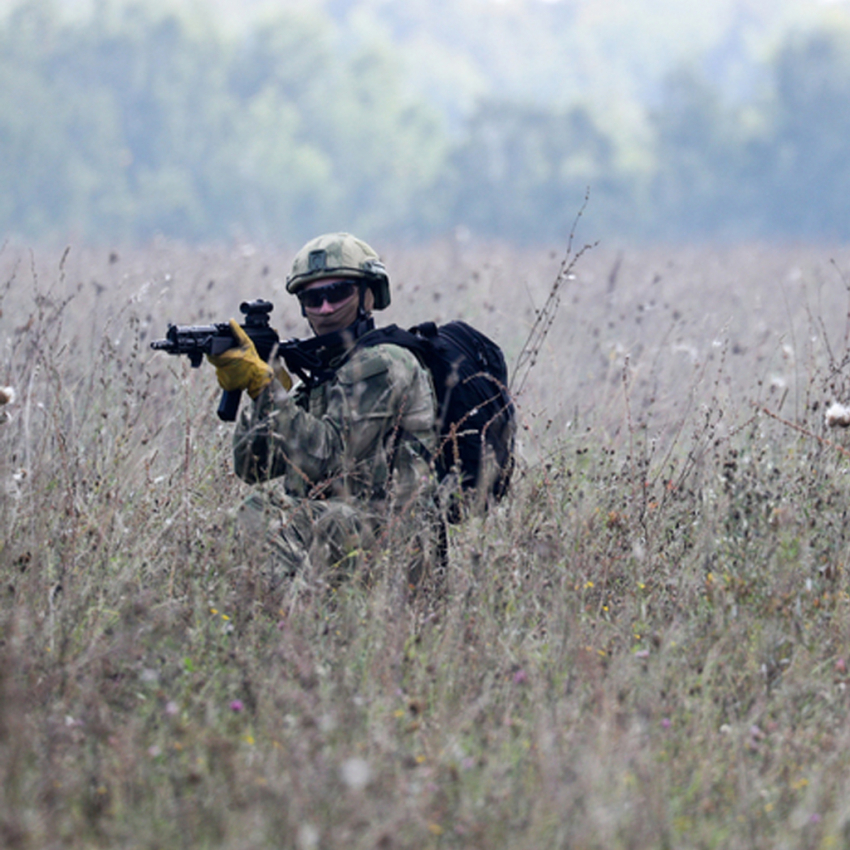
[[394, 335]]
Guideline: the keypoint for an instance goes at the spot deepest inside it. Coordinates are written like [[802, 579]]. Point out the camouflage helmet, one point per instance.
[[340, 255]]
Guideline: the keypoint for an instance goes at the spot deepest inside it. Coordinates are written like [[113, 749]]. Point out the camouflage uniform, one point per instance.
[[345, 465]]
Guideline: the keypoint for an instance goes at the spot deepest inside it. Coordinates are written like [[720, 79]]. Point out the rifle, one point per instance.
[[198, 340], [303, 358]]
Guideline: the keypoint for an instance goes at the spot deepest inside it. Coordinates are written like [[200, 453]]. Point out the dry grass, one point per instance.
[[645, 646]]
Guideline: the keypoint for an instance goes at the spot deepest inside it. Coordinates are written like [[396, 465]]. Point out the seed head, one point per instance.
[[838, 415]]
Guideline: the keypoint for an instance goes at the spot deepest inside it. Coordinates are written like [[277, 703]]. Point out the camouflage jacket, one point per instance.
[[368, 433]]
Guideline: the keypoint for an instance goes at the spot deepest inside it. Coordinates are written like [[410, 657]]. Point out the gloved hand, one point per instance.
[[241, 368]]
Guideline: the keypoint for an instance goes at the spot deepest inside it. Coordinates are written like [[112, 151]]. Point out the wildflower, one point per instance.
[[666, 723], [520, 676], [355, 773], [237, 705], [838, 415], [171, 708], [308, 837]]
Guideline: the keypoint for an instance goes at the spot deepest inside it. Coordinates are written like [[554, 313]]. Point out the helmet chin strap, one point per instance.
[[363, 287]]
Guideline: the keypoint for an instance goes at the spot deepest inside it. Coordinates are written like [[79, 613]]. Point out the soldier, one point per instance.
[[342, 460]]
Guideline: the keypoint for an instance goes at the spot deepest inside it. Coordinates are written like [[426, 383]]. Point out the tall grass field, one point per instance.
[[645, 645]]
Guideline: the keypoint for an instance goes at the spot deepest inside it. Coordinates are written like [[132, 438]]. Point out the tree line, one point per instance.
[[132, 122]]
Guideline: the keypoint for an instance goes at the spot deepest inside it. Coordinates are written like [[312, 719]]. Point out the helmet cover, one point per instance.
[[340, 255]]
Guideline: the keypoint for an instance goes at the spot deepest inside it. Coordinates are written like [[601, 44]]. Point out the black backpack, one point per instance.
[[475, 412]]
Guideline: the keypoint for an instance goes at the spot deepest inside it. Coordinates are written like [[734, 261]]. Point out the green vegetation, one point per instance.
[[645, 647], [407, 120]]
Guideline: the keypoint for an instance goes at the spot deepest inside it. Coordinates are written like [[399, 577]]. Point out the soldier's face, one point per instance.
[[325, 313]]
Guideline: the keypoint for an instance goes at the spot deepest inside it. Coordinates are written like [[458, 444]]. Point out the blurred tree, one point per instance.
[[522, 172], [776, 166], [167, 88], [136, 120], [388, 148], [284, 74], [700, 184], [809, 189], [292, 53], [149, 122], [283, 187], [60, 159], [355, 150]]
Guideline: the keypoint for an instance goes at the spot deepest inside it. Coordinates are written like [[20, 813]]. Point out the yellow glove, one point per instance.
[[241, 368]]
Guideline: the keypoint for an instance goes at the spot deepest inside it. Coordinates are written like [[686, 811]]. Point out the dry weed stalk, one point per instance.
[[545, 316], [803, 430]]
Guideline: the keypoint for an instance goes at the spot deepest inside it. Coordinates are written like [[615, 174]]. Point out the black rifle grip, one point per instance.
[[229, 405]]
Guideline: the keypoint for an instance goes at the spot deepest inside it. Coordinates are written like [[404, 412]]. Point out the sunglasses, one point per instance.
[[333, 293]]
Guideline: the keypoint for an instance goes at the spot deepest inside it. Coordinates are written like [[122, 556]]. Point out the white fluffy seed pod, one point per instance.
[[7, 395], [838, 415]]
